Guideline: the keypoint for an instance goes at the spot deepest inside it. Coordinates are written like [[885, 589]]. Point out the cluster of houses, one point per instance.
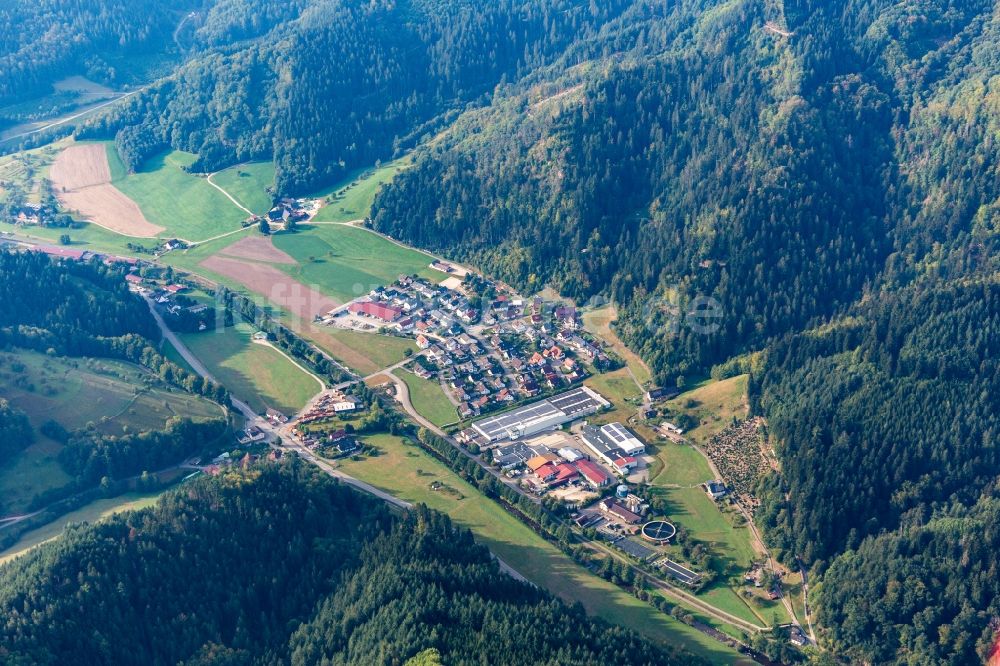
[[485, 374], [508, 362], [488, 358], [329, 405], [165, 296], [72, 254], [28, 213], [414, 306]]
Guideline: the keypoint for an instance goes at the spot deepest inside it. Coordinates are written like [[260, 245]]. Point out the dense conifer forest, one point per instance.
[[281, 564]]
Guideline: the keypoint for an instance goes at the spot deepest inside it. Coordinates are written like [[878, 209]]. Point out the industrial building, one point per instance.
[[540, 416], [613, 443]]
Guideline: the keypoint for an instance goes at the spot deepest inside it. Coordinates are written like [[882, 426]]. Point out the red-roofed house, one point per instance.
[[553, 352], [594, 475]]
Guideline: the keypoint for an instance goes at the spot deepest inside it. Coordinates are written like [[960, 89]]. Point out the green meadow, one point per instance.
[[113, 397], [352, 199], [429, 399], [257, 374], [185, 204], [365, 353], [346, 262], [248, 184]]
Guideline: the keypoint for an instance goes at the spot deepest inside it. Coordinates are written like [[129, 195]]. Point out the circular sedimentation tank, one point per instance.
[[658, 531]]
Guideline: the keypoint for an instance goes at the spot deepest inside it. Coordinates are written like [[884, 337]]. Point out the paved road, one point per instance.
[[290, 443], [195, 364], [63, 121]]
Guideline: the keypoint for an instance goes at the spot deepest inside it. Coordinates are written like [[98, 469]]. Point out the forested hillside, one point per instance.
[[47, 40], [343, 84], [926, 594], [722, 159], [68, 301], [281, 564], [886, 423]]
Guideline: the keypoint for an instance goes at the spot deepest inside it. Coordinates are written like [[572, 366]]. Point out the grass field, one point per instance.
[[88, 237], [364, 352], [713, 404], [256, 374], [407, 472], [174, 356], [429, 399], [682, 465], [32, 471], [185, 204], [352, 199], [618, 387], [90, 513], [248, 183], [115, 397], [598, 322], [346, 262]]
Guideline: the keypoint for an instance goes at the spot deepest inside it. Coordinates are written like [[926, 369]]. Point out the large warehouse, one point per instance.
[[540, 416]]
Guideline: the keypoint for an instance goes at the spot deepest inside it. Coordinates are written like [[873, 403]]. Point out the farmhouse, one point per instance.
[[251, 435], [540, 416], [667, 427], [715, 489], [659, 393], [276, 417]]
